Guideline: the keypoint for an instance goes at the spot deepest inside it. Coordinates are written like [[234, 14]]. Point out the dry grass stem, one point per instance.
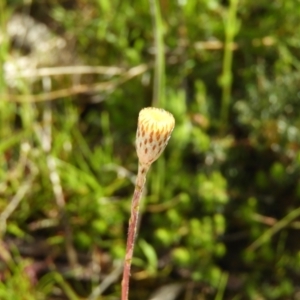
[[107, 86]]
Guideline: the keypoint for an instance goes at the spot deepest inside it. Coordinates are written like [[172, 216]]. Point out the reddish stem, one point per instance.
[[132, 228]]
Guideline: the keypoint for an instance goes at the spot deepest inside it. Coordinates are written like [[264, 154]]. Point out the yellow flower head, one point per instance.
[[155, 126]]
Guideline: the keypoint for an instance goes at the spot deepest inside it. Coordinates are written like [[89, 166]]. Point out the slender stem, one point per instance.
[[226, 78], [159, 69], [222, 286], [266, 236], [133, 222]]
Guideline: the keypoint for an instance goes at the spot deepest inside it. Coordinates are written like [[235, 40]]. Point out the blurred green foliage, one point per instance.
[[221, 211]]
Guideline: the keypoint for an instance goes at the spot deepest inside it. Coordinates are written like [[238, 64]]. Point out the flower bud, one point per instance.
[[155, 126]]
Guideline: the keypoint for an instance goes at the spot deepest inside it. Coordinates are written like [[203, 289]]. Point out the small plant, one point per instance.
[[154, 130]]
